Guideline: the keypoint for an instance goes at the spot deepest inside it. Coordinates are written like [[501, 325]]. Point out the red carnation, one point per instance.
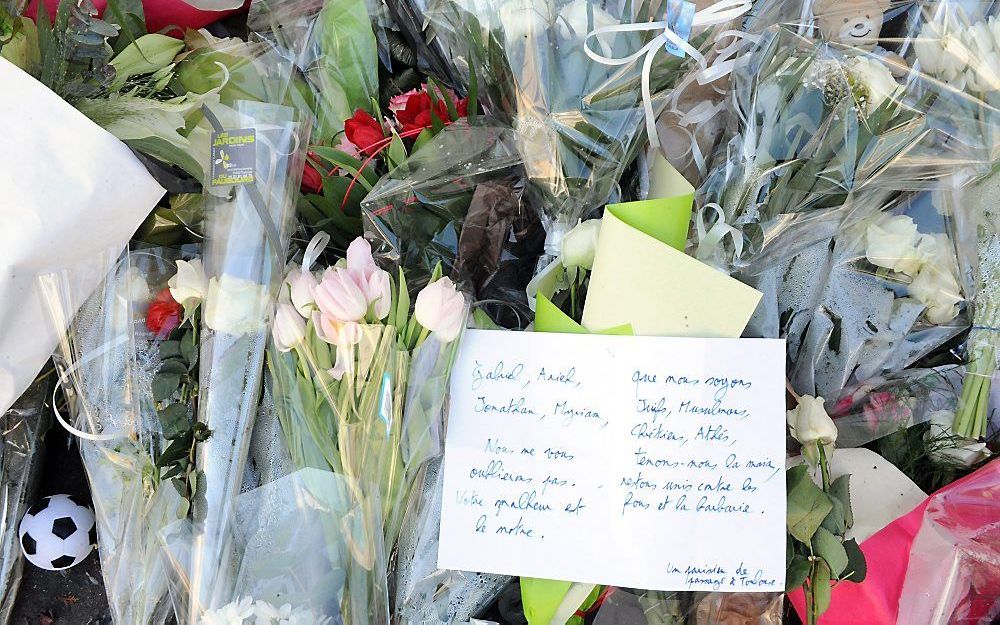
[[364, 131], [416, 115], [312, 180], [164, 314]]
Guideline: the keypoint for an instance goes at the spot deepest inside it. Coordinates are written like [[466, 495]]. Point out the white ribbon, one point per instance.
[[710, 239], [718, 13], [314, 249], [97, 353]]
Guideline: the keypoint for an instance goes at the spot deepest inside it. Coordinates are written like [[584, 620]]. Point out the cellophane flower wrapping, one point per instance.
[[839, 193], [579, 122], [290, 545], [954, 561], [108, 363], [458, 201], [247, 230], [23, 425], [367, 407]]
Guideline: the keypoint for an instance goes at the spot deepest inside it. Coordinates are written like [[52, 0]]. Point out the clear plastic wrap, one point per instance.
[[287, 546], [841, 192], [360, 381], [457, 201], [576, 80], [954, 568], [23, 427], [247, 230], [111, 364]]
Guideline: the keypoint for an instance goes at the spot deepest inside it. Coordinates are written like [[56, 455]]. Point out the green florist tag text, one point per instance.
[[234, 155]]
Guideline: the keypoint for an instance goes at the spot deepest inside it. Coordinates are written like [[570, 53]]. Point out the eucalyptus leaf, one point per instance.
[[829, 547]]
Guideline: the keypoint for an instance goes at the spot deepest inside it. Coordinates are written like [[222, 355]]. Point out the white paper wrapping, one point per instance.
[[71, 195]]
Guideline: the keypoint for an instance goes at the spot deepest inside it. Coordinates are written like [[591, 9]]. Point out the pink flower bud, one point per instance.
[[441, 309], [339, 296], [379, 293], [335, 332]]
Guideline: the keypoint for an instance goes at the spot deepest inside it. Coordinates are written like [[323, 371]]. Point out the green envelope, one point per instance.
[[664, 218]]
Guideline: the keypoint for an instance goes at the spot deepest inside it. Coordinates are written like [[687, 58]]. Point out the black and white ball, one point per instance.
[[57, 532]]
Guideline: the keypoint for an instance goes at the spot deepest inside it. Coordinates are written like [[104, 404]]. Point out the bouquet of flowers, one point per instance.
[[129, 368], [360, 380], [576, 80]]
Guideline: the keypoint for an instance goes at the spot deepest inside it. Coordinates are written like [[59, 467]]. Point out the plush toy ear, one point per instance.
[[822, 7]]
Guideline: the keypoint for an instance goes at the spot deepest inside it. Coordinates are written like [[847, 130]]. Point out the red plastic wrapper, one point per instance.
[[937, 565]]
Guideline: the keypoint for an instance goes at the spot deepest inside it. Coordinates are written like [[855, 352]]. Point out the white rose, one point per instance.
[[893, 244], [812, 426], [936, 288], [133, 287], [949, 448], [189, 285], [980, 36], [877, 79], [580, 244], [941, 53], [235, 306], [289, 329]]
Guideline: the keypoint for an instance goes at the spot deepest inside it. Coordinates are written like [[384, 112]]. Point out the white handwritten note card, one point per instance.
[[641, 462]]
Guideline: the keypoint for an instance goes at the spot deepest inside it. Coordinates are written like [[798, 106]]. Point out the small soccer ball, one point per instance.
[[57, 532]]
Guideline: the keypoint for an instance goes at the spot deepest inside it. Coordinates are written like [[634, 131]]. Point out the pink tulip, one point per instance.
[[340, 297], [440, 308], [336, 332]]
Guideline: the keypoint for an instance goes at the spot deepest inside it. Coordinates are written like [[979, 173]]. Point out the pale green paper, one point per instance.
[[642, 277]]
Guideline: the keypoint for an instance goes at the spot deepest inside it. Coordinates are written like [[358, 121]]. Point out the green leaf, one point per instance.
[[841, 491], [189, 349], [396, 154], [424, 136], [130, 19], [821, 587], [348, 52], [165, 385], [184, 507], [857, 567], [174, 420], [176, 450], [174, 366], [170, 349], [829, 547], [834, 522], [473, 97], [808, 505], [797, 572], [402, 302]]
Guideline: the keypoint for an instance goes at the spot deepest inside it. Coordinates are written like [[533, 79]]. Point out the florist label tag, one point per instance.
[[639, 462], [680, 15], [234, 156]]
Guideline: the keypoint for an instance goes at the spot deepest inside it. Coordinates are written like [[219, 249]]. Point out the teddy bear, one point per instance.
[[858, 24]]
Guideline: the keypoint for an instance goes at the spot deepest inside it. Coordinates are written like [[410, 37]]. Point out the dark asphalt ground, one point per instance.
[[75, 596]]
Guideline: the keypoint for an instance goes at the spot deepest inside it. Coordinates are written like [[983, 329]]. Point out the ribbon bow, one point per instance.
[[718, 13]]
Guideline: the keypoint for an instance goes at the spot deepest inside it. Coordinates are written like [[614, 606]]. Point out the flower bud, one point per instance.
[[301, 286], [145, 55], [379, 293], [235, 306], [811, 426], [440, 308], [580, 244], [289, 328]]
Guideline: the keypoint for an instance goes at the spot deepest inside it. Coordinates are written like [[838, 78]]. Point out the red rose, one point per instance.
[[463, 107], [364, 131], [312, 180], [416, 115], [164, 314]]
